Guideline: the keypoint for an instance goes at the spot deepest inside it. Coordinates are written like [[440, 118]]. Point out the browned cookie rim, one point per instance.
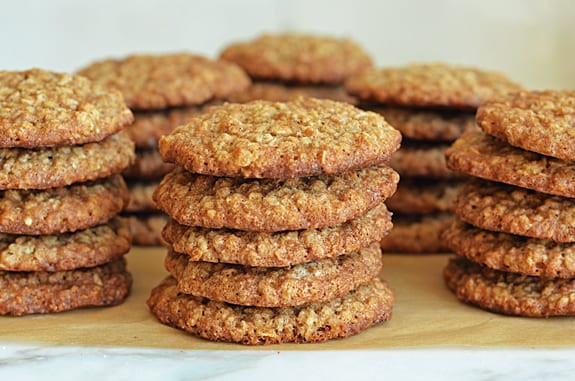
[[423, 196], [362, 308], [84, 248], [415, 234], [39, 108], [26, 293], [511, 253], [509, 293], [147, 228], [278, 249], [312, 282], [421, 159], [269, 205], [147, 166], [64, 209]]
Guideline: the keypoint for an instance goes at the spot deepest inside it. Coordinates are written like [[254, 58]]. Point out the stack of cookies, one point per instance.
[[164, 91], [287, 66], [515, 234], [276, 213], [432, 105], [62, 149]]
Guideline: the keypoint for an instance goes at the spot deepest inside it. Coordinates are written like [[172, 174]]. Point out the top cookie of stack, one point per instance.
[[515, 230], [164, 91], [432, 105], [288, 66], [286, 234], [62, 150]]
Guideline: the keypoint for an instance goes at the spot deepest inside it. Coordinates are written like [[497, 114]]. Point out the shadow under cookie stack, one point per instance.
[[431, 105], [164, 91], [276, 210], [515, 230], [63, 150]]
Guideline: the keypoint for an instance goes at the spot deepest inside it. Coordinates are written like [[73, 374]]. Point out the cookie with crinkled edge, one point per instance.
[[428, 124], [44, 168], [283, 92], [268, 205], [416, 234], [168, 80], [60, 210], [421, 196], [484, 156], [67, 251], [312, 282], [298, 58], [512, 253], [513, 210], [362, 308], [40, 292], [429, 85], [39, 108], [278, 249], [141, 196], [147, 228], [509, 293], [147, 166], [261, 139], [416, 159], [538, 121]]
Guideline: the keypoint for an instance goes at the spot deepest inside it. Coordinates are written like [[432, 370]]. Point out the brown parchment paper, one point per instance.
[[426, 314]]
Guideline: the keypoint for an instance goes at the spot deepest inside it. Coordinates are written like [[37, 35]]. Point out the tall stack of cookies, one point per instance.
[[276, 213], [515, 230], [287, 66], [432, 105], [164, 91], [62, 149]]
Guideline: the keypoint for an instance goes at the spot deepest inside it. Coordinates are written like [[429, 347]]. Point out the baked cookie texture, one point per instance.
[[298, 58], [537, 121], [280, 249], [39, 108], [316, 322], [141, 199], [416, 234], [162, 81], [270, 205], [282, 92], [40, 292], [147, 166], [509, 293], [147, 228], [304, 137], [429, 85], [422, 160], [423, 196]]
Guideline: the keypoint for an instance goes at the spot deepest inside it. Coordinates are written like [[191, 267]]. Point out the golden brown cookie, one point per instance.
[[168, 80], [148, 166], [513, 210], [67, 251], [508, 293], [39, 108], [150, 126], [278, 249], [538, 121], [366, 306], [429, 85], [267, 205], [281, 92], [147, 228], [416, 234], [260, 139], [45, 168], [60, 210], [25, 293], [298, 58], [141, 199], [481, 155], [428, 124], [418, 196], [512, 253], [312, 282], [416, 159]]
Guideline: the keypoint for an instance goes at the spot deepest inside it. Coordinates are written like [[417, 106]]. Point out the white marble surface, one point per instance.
[[27, 362]]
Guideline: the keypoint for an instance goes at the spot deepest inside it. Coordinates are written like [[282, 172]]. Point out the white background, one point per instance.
[[532, 41]]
